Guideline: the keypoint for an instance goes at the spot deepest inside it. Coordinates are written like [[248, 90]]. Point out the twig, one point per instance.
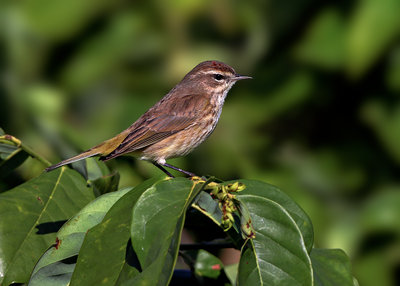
[[206, 246]]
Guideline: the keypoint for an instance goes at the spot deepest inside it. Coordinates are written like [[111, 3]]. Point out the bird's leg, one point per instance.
[[175, 168], [163, 169]]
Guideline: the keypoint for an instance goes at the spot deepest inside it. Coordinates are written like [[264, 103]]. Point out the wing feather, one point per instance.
[[156, 125]]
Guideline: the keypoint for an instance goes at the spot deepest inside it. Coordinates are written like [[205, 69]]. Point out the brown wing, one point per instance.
[[161, 121]]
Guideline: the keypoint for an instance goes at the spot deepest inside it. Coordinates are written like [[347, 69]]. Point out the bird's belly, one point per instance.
[[179, 144]]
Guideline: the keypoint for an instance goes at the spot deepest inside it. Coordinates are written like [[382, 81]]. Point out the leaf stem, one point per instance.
[[16, 142]]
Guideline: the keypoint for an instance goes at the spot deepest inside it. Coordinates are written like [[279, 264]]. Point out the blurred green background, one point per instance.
[[320, 119]]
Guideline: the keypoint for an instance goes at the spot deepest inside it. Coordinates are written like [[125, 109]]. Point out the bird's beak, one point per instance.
[[239, 77]]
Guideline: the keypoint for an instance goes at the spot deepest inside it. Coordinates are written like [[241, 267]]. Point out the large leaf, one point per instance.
[[106, 251], [30, 216], [331, 267], [157, 223], [56, 265], [261, 190], [277, 255]]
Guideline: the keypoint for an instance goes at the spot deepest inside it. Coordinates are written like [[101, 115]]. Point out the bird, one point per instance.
[[175, 125]]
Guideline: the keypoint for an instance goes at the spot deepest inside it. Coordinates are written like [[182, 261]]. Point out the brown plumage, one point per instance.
[[176, 124]]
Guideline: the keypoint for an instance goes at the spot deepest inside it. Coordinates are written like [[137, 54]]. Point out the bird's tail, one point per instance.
[[89, 153], [101, 149]]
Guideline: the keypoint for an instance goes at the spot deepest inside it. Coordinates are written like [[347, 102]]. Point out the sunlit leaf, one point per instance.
[[374, 25]]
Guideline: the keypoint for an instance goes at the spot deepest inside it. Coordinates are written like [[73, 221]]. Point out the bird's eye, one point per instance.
[[218, 76]]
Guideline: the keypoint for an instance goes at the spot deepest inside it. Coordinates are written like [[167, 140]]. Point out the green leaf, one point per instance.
[[56, 265], [207, 265], [231, 272], [156, 228], [277, 255], [381, 212], [331, 267], [30, 216], [105, 256], [104, 51], [263, 190], [53, 21], [324, 42], [374, 25]]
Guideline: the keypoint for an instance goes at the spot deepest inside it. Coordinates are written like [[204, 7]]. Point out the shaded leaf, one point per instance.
[[57, 264], [331, 267], [209, 207], [11, 161], [207, 265], [30, 216], [105, 256], [108, 183]]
